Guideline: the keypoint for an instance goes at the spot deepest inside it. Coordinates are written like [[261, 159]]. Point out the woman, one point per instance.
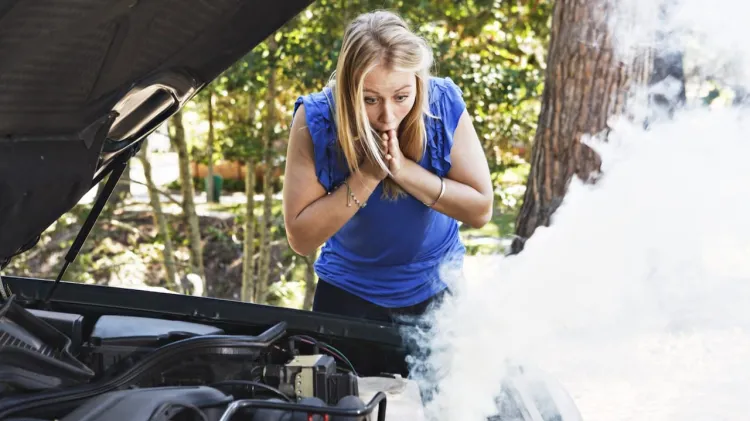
[[381, 165]]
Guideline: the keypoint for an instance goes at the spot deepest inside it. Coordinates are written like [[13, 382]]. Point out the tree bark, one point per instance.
[[188, 198], [160, 220], [264, 270], [585, 84], [210, 198], [248, 267]]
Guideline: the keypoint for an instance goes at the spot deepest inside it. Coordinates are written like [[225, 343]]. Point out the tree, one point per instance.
[[248, 244], [179, 141], [160, 220], [585, 84], [268, 155], [210, 197]]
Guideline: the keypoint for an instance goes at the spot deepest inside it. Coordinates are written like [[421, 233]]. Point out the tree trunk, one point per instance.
[[248, 257], [585, 84], [264, 269], [160, 220], [210, 198], [188, 199], [309, 281]]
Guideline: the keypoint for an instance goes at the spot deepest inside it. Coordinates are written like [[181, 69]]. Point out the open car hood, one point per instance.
[[83, 81]]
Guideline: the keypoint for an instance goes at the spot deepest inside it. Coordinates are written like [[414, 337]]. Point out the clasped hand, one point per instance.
[[392, 155]]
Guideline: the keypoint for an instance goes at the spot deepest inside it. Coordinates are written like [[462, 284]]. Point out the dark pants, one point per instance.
[[334, 300]]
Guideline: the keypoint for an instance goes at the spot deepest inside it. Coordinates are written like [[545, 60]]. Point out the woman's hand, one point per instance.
[[467, 193], [371, 169], [393, 155]]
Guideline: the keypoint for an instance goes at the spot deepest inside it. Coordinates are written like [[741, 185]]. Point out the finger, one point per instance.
[[384, 141], [393, 140]]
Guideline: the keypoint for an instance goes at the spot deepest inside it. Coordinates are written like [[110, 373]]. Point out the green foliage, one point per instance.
[[494, 50]]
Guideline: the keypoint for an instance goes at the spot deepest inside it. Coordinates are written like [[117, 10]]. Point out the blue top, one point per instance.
[[390, 252]]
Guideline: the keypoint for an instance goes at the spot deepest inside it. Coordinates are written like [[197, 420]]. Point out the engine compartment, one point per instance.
[[101, 353], [54, 367]]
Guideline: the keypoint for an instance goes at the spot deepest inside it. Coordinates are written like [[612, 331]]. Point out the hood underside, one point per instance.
[[82, 80]]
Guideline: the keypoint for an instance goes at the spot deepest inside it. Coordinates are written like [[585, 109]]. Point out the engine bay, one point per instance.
[[101, 353], [54, 367]]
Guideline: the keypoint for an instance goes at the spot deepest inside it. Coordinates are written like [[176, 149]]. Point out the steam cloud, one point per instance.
[[635, 297]]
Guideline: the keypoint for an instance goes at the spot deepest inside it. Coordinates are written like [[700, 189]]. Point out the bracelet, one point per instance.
[[350, 196], [442, 191]]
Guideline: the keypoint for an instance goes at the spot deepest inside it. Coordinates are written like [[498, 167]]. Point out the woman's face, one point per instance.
[[389, 96]]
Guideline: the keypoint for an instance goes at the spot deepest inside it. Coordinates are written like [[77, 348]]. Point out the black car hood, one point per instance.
[[82, 81]]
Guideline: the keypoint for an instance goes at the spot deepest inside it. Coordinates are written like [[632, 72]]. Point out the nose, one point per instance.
[[387, 114]]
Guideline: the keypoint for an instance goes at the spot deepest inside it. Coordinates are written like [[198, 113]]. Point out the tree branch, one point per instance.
[[161, 192]]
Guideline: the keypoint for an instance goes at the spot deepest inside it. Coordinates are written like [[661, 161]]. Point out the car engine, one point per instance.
[[136, 368], [62, 366]]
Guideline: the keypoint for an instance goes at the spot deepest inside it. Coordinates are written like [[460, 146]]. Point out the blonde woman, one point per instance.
[[382, 165]]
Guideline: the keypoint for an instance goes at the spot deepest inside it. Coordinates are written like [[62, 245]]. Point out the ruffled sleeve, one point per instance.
[[446, 103], [319, 122]]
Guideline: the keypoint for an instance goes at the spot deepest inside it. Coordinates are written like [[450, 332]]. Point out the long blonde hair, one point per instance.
[[379, 37]]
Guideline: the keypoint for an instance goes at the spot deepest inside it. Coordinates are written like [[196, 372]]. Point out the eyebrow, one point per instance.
[[399, 89]]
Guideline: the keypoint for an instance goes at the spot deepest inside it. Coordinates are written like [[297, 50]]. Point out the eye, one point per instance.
[[370, 100], [402, 98]]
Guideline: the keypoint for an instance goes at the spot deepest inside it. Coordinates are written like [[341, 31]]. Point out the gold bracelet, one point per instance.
[[442, 191], [350, 196]]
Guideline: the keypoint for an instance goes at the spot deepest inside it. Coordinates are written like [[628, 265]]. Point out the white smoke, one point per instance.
[[635, 296], [713, 38]]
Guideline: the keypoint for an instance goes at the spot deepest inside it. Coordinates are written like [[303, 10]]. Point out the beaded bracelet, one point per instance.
[[351, 196]]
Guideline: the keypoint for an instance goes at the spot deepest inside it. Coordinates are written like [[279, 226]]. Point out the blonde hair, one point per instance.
[[379, 38]]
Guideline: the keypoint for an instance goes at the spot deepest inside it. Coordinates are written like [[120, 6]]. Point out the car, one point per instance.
[[82, 84]]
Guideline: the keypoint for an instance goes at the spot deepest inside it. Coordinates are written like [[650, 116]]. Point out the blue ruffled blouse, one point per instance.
[[390, 253]]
